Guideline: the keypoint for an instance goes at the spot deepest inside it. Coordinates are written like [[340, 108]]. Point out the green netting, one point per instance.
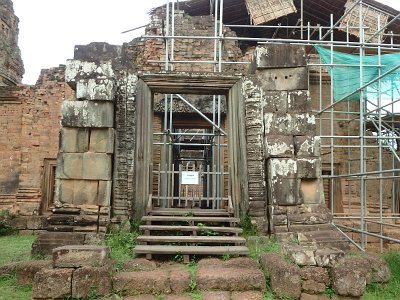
[[345, 74]]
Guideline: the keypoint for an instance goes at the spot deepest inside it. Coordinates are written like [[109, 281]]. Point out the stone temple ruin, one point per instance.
[[222, 111]]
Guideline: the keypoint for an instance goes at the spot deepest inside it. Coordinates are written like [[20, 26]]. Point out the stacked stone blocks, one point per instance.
[[84, 166], [290, 148]]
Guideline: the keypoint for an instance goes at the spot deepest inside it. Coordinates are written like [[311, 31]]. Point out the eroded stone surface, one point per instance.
[[80, 256], [142, 282], [89, 279], [285, 277], [52, 284], [139, 264], [25, 272]]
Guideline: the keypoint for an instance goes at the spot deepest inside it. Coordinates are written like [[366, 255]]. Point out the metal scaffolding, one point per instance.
[[361, 164]]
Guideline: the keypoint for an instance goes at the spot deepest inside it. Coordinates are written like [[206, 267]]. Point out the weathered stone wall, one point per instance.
[[283, 151], [11, 66], [30, 120]]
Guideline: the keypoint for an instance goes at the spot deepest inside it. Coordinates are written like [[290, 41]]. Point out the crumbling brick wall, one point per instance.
[[30, 121]]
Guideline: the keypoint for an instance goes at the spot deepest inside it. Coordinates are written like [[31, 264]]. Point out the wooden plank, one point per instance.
[[198, 250], [192, 239], [233, 230], [188, 212], [191, 219]]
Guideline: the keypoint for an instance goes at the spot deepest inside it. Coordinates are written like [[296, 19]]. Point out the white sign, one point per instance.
[[190, 177]]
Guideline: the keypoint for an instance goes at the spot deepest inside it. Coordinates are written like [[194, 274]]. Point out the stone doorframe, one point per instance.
[[199, 84]]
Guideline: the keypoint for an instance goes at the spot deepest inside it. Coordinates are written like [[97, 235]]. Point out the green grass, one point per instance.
[[15, 248], [122, 240], [271, 245], [10, 290], [391, 290]]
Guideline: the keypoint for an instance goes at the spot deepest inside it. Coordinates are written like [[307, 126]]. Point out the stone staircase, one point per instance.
[[190, 232]]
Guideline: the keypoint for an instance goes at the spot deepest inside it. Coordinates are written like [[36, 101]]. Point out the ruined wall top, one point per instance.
[[11, 66]]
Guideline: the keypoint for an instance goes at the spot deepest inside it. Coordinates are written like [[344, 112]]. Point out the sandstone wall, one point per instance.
[[11, 66]]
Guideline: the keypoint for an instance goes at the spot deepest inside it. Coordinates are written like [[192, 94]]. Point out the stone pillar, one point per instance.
[[84, 165], [291, 151]]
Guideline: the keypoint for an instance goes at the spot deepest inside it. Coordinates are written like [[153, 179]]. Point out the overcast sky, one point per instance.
[[49, 29]]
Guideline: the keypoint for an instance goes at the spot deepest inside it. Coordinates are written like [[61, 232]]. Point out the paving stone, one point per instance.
[[140, 297], [180, 281], [139, 264], [215, 295], [142, 282], [81, 256], [52, 284], [305, 296], [249, 295], [92, 279], [229, 278], [177, 297], [25, 272]]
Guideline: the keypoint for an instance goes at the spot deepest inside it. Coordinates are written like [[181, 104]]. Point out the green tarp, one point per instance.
[[346, 74]]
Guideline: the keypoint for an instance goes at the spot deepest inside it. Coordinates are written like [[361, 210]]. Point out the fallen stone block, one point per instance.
[[348, 280], [26, 271], [52, 284], [80, 256], [302, 255], [229, 278], [92, 279], [250, 295], [139, 264], [142, 282], [328, 257], [284, 276], [305, 296]]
